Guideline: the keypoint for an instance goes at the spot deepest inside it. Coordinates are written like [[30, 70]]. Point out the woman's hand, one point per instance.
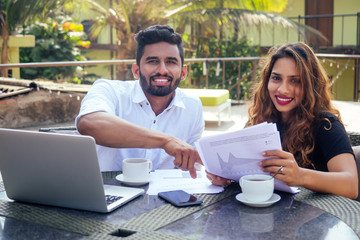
[[291, 173], [217, 180]]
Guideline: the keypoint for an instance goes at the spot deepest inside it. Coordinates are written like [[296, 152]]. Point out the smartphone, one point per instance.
[[180, 198]]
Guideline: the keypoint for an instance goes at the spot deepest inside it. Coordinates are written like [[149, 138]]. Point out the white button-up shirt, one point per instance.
[[183, 118]]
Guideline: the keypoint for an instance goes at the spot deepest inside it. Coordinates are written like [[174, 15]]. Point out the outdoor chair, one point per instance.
[[355, 142], [213, 100], [354, 138], [357, 158]]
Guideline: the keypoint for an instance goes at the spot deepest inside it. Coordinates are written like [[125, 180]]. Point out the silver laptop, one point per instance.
[[58, 170]]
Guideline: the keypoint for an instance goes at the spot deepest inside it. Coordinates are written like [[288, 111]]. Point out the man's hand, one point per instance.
[[185, 155]]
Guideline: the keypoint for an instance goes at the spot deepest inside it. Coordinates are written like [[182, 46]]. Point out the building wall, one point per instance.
[[348, 25], [344, 30], [341, 73], [277, 34], [103, 71], [343, 87]]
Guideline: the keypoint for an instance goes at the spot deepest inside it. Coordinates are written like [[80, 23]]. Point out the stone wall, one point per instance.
[[39, 108]]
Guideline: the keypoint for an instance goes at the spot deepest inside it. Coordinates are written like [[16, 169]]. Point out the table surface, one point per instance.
[[306, 215]]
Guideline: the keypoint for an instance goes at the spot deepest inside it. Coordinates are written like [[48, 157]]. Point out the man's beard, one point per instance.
[[159, 91]]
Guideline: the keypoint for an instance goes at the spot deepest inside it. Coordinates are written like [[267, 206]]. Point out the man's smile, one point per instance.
[[161, 80]]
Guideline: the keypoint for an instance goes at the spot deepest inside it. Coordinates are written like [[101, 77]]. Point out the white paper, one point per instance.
[[176, 179], [235, 154]]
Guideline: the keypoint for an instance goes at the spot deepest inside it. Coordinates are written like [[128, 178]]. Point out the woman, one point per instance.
[[294, 93]]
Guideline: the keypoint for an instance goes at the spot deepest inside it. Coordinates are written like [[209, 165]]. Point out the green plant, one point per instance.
[[16, 13], [214, 48], [56, 40]]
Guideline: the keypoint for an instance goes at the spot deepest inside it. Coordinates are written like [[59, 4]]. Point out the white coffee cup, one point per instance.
[[136, 169], [257, 187]]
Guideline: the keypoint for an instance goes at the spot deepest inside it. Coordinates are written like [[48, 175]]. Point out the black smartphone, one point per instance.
[[180, 198]]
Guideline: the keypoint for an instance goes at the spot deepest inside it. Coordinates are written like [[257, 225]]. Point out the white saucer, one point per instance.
[[120, 178], [274, 198]]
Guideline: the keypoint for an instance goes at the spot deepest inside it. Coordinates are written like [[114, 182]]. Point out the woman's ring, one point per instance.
[[281, 169]]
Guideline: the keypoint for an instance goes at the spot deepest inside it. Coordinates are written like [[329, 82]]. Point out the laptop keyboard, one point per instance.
[[110, 199]]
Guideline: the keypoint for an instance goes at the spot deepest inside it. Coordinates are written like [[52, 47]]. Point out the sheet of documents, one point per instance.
[[235, 154], [176, 179]]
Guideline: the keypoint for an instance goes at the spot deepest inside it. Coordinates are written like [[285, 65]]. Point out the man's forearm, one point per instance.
[[111, 131], [115, 132]]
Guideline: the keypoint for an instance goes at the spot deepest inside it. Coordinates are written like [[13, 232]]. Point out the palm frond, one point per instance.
[[246, 19], [23, 11]]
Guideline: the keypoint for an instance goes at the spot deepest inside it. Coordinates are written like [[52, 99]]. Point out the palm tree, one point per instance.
[[129, 16], [216, 17], [18, 13]]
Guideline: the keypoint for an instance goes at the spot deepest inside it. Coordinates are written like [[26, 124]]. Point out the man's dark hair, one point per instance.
[[155, 34]]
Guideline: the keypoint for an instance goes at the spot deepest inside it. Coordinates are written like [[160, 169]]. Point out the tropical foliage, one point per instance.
[[56, 40], [18, 13], [215, 48]]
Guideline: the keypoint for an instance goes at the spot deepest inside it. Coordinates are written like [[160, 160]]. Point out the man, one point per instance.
[[150, 117]]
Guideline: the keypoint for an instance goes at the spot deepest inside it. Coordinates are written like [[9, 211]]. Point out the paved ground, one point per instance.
[[350, 113]]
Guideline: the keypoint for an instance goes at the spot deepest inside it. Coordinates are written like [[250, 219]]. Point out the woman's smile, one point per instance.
[[283, 100]]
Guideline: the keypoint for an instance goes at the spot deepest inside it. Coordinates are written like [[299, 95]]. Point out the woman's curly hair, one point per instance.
[[298, 135]]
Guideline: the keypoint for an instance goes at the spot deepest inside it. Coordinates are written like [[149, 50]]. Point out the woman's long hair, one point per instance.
[[298, 135]]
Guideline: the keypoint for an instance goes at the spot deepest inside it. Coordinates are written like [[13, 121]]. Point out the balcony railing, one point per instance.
[[220, 62], [343, 29]]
